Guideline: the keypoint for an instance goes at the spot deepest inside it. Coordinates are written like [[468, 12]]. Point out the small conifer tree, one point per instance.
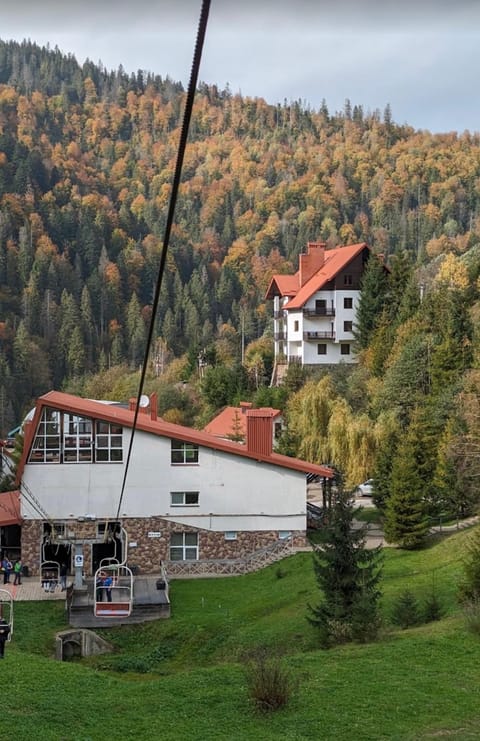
[[348, 576], [406, 611]]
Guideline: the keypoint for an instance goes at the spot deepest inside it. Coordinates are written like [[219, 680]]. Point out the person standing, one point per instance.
[[63, 576], [7, 569], [4, 633], [17, 571], [99, 587], [108, 583]]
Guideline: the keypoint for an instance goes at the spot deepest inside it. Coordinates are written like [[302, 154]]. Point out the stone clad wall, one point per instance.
[[149, 541], [31, 545]]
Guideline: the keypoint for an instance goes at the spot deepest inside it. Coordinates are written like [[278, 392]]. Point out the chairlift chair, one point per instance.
[[121, 592], [50, 575]]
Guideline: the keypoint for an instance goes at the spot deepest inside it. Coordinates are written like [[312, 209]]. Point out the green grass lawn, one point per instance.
[[184, 678]]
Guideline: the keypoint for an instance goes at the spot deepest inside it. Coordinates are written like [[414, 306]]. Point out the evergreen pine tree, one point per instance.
[[405, 520], [373, 298], [348, 576]]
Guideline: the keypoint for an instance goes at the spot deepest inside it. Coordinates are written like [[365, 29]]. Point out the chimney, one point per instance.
[[245, 405], [259, 432], [153, 406], [132, 405], [311, 262]]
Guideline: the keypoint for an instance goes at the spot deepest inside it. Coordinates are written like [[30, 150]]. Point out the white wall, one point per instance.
[[234, 493], [307, 349]]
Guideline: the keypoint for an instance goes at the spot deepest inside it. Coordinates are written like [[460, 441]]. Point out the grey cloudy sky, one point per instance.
[[421, 56]]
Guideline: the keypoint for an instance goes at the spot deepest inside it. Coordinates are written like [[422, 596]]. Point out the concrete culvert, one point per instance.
[[72, 644]]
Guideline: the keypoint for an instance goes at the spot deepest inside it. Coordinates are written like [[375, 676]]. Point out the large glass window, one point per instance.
[[77, 439], [184, 498], [108, 442], [183, 452], [184, 547], [68, 438], [46, 446]]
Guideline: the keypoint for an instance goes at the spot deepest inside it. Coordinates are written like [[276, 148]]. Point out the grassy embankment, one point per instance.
[[184, 678]]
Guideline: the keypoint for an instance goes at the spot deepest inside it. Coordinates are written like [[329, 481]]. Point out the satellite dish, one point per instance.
[[144, 401]]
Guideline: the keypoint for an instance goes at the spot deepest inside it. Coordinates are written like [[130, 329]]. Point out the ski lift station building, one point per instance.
[[190, 499]]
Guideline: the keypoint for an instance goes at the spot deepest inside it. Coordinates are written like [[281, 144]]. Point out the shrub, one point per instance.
[[432, 609], [269, 682], [339, 631], [469, 589], [365, 621], [471, 611], [405, 611]]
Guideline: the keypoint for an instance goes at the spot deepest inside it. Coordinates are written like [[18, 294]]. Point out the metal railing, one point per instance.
[[329, 335], [325, 311], [246, 565]]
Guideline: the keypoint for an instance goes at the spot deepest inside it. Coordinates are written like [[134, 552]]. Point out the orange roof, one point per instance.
[[111, 412], [232, 421], [10, 508], [285, 285], [335, 261]]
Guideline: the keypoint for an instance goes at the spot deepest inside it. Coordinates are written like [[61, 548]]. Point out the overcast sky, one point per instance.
[[421, 56]]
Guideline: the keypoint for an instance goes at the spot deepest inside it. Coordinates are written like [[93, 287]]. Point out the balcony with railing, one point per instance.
[[279, 336], [278, 314], [320, 311], [329, 335]]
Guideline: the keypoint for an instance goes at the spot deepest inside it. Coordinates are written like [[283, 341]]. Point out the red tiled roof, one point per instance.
[[10, 508], [335, 261], [232, 421], [119, 415], [286, 285]]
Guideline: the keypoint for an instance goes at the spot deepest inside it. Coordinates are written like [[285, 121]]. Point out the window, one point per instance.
[[46, 446], [108, 442], [108, 529], [348, 303], [63, 437], [184, 547], [321, 348], [184, 498], [53, 530], [77, 439], [345, 349], [231, 535], [347, 326], [295, 325], [347, 280], [184, 452], [284, 534]]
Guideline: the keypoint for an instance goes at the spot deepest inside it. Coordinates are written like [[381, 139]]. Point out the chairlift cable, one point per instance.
[[202, 27]]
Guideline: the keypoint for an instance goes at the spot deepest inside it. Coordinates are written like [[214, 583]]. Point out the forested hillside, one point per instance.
[[86, 164]]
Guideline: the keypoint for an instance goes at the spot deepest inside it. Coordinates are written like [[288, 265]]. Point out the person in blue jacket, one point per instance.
[[7, 569], [108, 583]]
